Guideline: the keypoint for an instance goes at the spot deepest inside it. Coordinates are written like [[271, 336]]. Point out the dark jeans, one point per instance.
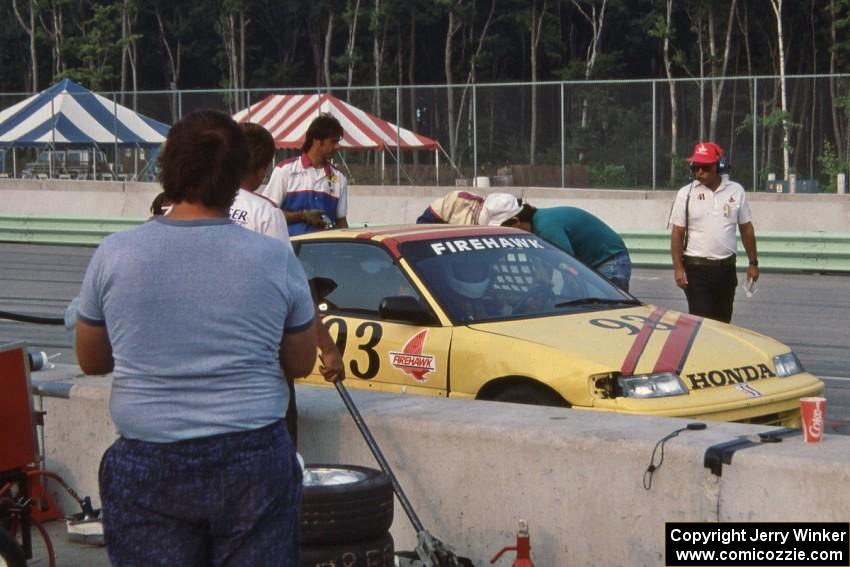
[[711, 290], [227, 500], [618, 269]]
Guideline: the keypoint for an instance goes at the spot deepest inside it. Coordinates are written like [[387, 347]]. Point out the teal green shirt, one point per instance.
[[579, 233]]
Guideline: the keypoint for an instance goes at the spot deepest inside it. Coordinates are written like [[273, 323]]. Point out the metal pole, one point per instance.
[[379, 456], [654, 128], [398, 136], [179, 104], [52, 136], [563, 142], [117, 165], [755, 133], [474, 132]]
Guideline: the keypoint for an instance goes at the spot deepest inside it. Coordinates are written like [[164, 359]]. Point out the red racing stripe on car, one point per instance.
[[678, 344], [632, 358]]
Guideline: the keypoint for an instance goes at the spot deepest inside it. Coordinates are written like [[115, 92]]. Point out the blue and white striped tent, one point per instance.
[[67, 113]]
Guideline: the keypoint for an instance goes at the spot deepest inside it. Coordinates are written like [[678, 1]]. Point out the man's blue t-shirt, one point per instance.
[[579, 233], [195, 311]]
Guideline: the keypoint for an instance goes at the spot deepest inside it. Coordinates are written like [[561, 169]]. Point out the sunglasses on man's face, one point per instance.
[[704, 166]]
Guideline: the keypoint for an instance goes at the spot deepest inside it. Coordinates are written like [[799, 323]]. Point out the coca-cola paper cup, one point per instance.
[[813, 411]]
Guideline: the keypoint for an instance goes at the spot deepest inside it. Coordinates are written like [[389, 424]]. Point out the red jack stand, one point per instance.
[[45, 508], [522, 548]]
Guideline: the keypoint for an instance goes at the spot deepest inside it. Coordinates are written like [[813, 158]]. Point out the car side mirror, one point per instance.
[[405, 309]]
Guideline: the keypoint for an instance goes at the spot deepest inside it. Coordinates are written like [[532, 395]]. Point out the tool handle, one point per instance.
[[379, 456]]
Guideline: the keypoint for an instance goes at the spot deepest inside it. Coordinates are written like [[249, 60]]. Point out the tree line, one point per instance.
[[137, 45]]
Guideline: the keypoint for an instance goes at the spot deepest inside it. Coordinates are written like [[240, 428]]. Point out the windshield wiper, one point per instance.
[[597, 301]]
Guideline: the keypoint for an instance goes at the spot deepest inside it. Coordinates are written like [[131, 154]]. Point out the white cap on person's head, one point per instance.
[[498, 207]]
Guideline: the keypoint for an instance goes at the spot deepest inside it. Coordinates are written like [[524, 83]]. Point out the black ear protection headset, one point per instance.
[[723, 167]]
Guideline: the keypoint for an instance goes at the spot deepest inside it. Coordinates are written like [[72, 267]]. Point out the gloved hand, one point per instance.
[[313, 217]]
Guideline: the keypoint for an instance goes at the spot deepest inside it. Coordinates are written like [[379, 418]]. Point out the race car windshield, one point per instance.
[[499, 277]]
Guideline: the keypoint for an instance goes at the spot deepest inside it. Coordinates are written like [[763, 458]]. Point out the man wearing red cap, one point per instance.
[[703, 242]]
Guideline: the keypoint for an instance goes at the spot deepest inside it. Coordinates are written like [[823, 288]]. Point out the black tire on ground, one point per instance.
[[11, 554], [530, 394], [355, 511], [378, 552]]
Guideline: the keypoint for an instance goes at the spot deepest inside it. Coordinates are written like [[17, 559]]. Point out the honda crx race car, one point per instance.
[[498, 314]]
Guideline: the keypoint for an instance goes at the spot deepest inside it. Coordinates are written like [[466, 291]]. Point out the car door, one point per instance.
[[378, 354]]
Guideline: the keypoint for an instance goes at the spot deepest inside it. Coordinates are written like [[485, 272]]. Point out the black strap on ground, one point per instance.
[[32, 318], [721, 454]]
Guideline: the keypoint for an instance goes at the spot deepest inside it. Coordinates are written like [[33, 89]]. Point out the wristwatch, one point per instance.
[[754, 263]]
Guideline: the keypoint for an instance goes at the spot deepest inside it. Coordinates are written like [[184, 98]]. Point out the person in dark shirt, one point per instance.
[[581, 234]]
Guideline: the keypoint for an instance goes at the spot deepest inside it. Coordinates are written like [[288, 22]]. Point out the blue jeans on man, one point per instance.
[[225, 500], [618, 269]]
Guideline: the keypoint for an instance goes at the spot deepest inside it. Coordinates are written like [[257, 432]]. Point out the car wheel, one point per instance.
[[378, 552], [530, 394], [345, 503]]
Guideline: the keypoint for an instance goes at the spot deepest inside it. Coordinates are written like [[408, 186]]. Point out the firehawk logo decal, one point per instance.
[[411, 360]]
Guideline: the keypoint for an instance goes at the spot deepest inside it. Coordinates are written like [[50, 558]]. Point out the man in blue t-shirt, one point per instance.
[[581, 234]]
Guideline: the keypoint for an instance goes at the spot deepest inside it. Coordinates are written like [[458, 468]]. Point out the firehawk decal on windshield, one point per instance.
[[472, 244], [411, 361]]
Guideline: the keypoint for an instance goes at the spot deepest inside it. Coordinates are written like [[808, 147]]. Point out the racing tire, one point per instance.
[[11, 554], [377, 552], [531, 395], [355, 505]]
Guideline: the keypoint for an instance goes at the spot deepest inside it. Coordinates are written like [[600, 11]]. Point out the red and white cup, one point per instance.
[[813, 411]]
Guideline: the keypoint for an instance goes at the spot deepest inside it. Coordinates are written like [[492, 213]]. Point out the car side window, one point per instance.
[[364, 274]]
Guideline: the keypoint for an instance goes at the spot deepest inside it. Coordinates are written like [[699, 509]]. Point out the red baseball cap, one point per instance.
[[706, 153]]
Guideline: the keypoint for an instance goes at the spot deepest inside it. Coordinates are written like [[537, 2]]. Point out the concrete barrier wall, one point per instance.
[[472, 469], [379, 205], [622, 209], [93, 199]]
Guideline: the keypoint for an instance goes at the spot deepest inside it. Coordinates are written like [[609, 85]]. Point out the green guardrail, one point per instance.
[[782, 251], [70, 231]]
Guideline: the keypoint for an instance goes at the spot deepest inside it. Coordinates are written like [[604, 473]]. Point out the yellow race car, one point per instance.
[[498, 314]]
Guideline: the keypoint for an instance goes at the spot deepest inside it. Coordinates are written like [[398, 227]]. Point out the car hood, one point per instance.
[[647, 339]]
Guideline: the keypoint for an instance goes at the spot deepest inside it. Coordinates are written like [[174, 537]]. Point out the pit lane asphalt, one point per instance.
[[809, 312]]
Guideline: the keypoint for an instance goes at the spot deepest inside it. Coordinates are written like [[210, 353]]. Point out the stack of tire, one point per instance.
[[346, 514]]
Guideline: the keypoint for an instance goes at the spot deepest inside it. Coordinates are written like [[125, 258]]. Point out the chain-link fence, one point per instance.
[[602, 134]]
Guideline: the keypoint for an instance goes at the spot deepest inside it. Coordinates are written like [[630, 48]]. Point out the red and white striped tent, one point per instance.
[[288, 116]]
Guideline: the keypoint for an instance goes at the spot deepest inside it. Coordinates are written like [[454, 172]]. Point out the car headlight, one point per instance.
[[787, 364], [653, 386]]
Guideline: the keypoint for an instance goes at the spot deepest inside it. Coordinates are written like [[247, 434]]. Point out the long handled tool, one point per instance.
[[431, 551]]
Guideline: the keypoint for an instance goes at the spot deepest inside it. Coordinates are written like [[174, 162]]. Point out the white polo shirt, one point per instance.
[[257, 213], [713, 217]]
